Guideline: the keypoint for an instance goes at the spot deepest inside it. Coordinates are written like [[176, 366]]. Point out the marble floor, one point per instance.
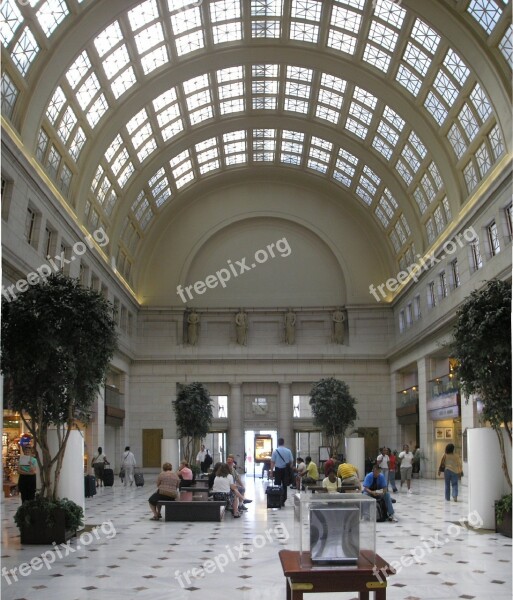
[[123, 555]]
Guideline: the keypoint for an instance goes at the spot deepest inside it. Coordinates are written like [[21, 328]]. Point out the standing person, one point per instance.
[[98, 463], [167, 489], [200, 458], [128, 464], [27, 466], [348, 473], [417, 455], [452, 468], [392, 465], [406, 466], [383, 461], [281, 465], [329, 464], [185, 474]]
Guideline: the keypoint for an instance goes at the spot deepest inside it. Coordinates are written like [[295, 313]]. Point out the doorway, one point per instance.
[[151, 442], [255, 469]]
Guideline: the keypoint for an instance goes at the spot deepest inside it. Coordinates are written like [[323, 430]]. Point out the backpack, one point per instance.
[[381, 510], [208, 460]]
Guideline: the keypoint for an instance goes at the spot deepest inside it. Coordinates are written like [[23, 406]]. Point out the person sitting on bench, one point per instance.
[[167, 489], [185, 474], [348, 473], [226, 489]]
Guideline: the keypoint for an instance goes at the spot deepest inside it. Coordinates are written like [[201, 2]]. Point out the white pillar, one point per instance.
[[427, 468], [485, 475], [285, 414], [236, 432], [71, 478], [355, 454], [170, 452]]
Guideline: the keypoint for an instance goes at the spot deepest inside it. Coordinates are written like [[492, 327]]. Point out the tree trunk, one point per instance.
[[503, 454]]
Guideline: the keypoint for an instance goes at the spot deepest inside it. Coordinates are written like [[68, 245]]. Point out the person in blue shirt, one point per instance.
[[375, 486], [281, 464]]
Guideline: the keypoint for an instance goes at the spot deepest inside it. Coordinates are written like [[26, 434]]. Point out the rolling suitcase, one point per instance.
[[139, 479], [90, 485], [108, 477], [274, 496]]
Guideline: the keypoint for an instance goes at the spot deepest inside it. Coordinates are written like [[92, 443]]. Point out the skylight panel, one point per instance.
[[395, 240], [417, 144], [420, 200], [200, 115], [198, 99], [25, 51], [389, 11], [361, 113], [446, 88], [165, 99], [343, 18], [376, 57], [189, 43], [481, 103], [468, 121], [306, 9], [426, 36], [186, 20], [408, 80], [115, 61], [383, 36], [149, 37], [470, 175], [108, 38], [447, 209], [439, 220], [141, 135], [224, 10], [77, 143], [381, 216], [120, 161], [50, 14], [67, 124], [137, 120], [144, 13], [365, 97], [97, 110], [435, 174], [486, 12], [364, 195], [428, 187], [506, 45], [495, 139], [149, 147], [155, 178], [418, 59], [10, 21], [154, 59], [266, 8], [456, 140], [411, 158], [483, 159], [87, 91], [304, 32], [430, 230], [403, 171], [388, 132], [456, 67], [226, 32], [78, 70], [55, 105], [436, 108], [341, 41], [382, 147], [124, 82]]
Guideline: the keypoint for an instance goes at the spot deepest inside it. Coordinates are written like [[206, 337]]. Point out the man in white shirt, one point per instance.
[[406, 458], [128, 464], [200, 458]]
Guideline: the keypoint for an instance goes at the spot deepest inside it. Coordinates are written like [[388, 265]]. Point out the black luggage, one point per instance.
[[108, 477], [139, 479], [90, 485], [381, 510], [274, 496]]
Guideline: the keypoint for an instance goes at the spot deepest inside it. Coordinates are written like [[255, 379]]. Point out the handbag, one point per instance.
[[122, 473], [441, 468]]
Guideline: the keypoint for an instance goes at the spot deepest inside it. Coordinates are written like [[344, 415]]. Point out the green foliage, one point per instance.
[[482, 345], [73, 513], [57, 341], [193, 414], [502, 507], [333, 408]]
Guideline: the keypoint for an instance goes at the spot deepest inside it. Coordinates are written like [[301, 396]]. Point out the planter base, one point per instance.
[[39, 532], [504, 528]]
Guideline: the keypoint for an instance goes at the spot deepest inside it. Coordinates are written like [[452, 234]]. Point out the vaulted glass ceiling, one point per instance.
[[369, 96]]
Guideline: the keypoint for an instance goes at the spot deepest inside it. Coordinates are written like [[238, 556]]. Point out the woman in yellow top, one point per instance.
[[452, 469], [27, 467]]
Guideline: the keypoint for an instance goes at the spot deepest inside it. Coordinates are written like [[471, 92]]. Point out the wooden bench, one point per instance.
[[193, 506]]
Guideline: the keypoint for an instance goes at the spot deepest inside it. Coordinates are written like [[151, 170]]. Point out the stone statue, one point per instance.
[[241, 325], [338, 319], [193, 327], [290, 327]]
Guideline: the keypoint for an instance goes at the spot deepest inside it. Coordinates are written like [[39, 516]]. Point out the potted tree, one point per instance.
[[334, 410], [482, 345], [57, 341], [193, 414]]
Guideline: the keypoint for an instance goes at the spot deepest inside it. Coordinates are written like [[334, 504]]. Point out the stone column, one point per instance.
[[236, 426], [285, 415], [97, 428], [427, 468]]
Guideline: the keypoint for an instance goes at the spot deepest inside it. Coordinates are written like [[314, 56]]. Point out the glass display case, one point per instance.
[[336, 529]]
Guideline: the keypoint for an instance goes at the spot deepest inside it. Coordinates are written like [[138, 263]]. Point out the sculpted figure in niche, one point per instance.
[[241, 326], [338, 319], [290, 327], [193, 327]]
